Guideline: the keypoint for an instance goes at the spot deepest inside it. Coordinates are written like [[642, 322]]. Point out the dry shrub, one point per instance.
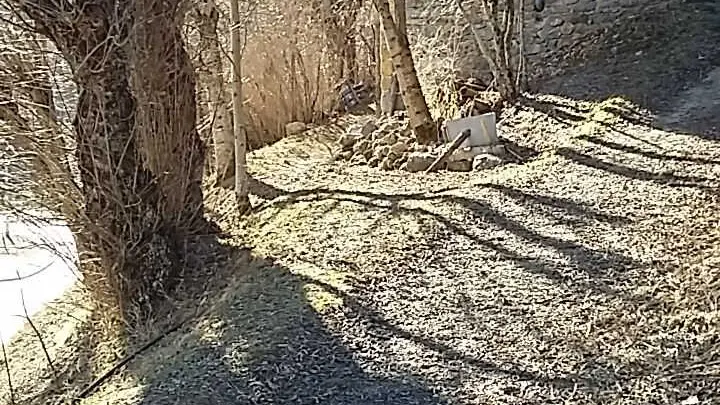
[[138, 195], [290, 65], [438, 51]]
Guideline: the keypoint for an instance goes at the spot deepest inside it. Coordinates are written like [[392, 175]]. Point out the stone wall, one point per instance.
[[566, 29]]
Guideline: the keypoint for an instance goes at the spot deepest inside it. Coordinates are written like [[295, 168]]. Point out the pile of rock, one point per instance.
[[389, 145]]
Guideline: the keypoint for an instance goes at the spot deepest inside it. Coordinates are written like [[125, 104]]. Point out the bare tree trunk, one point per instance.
[[138, 205], [421, 122], [222, 127], [499, 54], [391, 87], [241, 177], [164, 85]]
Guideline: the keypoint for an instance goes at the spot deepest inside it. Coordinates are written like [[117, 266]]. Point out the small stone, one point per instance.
[[346, 155], [418, 161], [382, 151], [348, 140], [460, 166], [486, 161], [556, 22], [374, 161], [400, 160], [361, 146], [295, 128], [498, 150], [399, 148], [388, 139], [358, 160], [421, 148], [368, 154], [387, 164], [368, 129]]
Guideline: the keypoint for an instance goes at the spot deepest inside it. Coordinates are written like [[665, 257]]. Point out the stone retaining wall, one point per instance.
[[550, 36]]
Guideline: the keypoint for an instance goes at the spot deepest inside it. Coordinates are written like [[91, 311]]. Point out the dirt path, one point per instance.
[[698, 108], [581, 277], [585, 276]]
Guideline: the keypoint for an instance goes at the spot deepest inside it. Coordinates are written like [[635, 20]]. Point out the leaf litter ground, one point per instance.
[[587, 275]]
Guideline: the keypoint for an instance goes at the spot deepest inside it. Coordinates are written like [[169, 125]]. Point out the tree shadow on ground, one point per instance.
[[668, 179], [597, 265], [630, 64], [592, 378], [263, 339]]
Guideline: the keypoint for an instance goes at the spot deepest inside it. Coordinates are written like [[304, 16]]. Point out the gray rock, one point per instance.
[[486, 161], [368, 154], [399, 148], [469, 153], [348, 140], [368, 129], [358, 160], [295, 128], [381, 151], [388, 139], [418, 161], [460, 166], [361, 147], [387, 164]]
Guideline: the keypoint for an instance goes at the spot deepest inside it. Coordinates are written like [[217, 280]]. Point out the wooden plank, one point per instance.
[[465, 134]]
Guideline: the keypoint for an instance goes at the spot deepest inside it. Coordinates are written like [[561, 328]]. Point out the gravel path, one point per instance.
[[586, 276]]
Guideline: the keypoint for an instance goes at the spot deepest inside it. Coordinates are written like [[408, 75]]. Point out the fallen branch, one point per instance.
[[37, 332], [7, 370], [114, 369], [455, 144]]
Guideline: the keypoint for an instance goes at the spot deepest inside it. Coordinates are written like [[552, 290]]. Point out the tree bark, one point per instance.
[[214, 81], [137, 206], [390, 85], [241, 177], [421, 122]]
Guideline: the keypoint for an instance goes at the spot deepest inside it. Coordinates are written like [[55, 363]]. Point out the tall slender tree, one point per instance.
[[242, 186], [421, 121]]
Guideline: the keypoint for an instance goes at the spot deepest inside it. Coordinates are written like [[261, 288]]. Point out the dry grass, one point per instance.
[[290, 67]]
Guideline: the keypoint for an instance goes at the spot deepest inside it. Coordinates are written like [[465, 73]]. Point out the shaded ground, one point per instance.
[[654, 62], [588, 275]]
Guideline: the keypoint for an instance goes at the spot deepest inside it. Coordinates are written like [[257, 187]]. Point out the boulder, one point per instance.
[[295, 128], [348, 140], [368, 129], [460, 166], [418, 161], [399, 148], [486, 161]]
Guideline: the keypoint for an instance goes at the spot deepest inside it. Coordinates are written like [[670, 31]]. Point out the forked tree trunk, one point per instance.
[[134, 215], [242, 186], [421, 122], [214, 81]]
